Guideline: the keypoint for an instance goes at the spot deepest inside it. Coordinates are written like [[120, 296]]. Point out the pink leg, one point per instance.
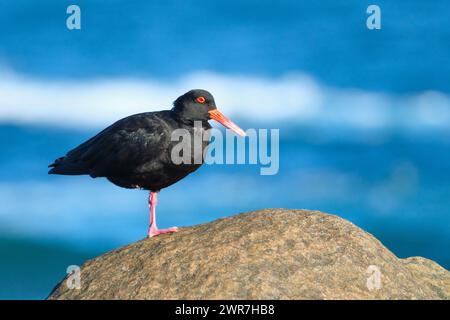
[[153, 229]]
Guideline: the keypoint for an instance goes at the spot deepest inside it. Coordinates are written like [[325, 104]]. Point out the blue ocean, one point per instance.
[[363, 118]]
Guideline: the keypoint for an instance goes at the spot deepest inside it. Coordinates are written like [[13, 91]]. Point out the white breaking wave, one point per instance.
[[296, 98]]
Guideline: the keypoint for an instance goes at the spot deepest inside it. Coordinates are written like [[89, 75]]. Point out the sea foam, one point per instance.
[[297, 98]]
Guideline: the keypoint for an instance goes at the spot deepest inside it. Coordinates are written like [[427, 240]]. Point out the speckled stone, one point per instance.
[[266, 254]]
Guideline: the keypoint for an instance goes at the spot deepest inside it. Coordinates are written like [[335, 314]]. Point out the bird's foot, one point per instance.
[[157, 232]]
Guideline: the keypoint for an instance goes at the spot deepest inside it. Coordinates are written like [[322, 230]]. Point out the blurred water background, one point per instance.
[[363, 116]]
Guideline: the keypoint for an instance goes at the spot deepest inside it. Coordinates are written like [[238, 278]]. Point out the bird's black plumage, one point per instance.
[[135, 152]]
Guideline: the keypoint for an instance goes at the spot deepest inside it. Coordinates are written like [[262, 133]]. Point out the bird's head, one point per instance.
[[199, 105]]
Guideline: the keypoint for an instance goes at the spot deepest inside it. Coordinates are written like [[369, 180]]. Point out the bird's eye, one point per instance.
[[200, 99]]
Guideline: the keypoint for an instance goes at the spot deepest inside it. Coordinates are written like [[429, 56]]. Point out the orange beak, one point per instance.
[[219, 117]]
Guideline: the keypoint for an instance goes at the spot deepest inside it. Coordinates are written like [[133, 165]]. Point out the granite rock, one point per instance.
[[266, 254]]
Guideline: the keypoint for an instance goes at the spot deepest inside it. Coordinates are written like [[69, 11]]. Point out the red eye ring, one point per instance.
[[200, 99]]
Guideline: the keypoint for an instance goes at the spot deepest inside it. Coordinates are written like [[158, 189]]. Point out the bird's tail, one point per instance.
[[64, 166]]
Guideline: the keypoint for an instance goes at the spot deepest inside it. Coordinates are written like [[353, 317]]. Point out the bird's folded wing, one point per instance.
[[122, 147]]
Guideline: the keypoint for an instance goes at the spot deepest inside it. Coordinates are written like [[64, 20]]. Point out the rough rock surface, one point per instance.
[[267, 254]]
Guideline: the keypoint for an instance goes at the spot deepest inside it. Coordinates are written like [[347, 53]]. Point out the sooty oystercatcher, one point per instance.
[[135, 152]]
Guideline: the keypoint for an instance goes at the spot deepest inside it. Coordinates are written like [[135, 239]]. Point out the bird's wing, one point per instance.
[[118, 149]]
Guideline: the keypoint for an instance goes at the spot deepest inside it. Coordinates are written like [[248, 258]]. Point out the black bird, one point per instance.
[[135, 152]]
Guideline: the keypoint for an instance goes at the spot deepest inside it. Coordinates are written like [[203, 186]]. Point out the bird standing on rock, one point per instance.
[[135, 152]]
